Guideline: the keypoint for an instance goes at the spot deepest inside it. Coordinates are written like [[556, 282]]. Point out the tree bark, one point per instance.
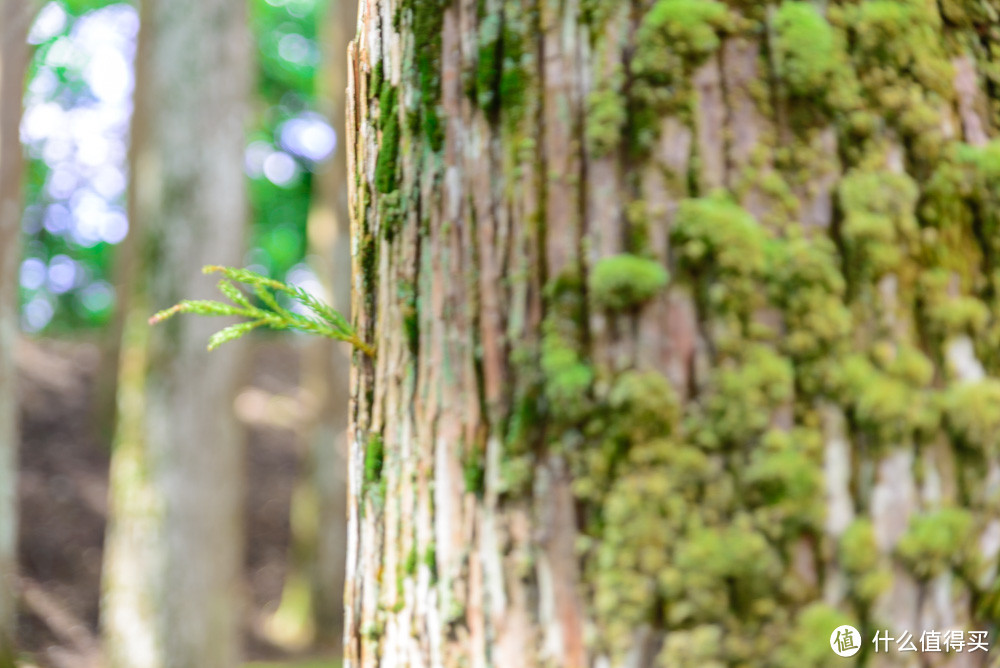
[[685, 317], [15, 17], [172, 577]]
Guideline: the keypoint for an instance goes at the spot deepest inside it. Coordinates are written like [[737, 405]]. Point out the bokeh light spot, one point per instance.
[[280, 168], [308, 136], [33, 273], [62, 274], [50, 22], [36, 314]]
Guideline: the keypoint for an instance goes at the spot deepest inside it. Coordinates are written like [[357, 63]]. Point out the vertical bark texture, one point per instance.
[[686, 315], [15, 17], [174, 557]]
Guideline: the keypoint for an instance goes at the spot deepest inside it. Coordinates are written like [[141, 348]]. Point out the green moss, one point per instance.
[[673, 38], [646, 403], [787, 482], [688, 27], [369, 265], [989, 603], [430, 559], [525, 416], [490, 62], [474, 470], [639, 412], [392, 213], [810, 58], [879, 221], [385, 164], [516, 66], [513, 84], [410, 309], [427, 23], [968, 13], [858, 548], [722, 248], [959, 315], [645, 512], [909, 365], [936, 541], [903, 35], [410, 566], [743, 394], [716, 568], [625, 281], [805, 282], [699, 647], [374, 458], [947, 314], [891, 409], [859, 555], [605, 121], [808, 644], [981, 167], [905, 70], [595, 13], [972, 415], [567, 378]]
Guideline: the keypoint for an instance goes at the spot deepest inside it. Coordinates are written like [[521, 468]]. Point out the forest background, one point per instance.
[[74, 266]]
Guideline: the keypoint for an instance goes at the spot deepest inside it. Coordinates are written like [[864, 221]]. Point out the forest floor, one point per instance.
[[63, 496]]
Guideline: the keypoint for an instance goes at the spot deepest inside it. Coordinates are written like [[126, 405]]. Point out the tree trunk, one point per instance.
[[320, 500], [15, 17], [686, 323], [329, 228], [173, 568], [328, 363]]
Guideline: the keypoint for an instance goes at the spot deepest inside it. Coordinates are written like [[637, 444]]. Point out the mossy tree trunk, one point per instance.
[[15, 17], [173, 559], [687, 325]]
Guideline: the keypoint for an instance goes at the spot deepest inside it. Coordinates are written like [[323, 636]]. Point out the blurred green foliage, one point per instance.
[[287, 61], [71, 242]]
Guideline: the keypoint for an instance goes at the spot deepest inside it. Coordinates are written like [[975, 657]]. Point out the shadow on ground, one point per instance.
[[63, 497]]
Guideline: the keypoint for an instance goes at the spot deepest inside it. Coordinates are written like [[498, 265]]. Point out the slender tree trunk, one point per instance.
[[319, 503], [686, 320], [329, 230], [15, 17], [174, 552]]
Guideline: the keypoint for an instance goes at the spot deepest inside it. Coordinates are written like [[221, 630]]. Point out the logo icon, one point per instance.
[[845, 640]]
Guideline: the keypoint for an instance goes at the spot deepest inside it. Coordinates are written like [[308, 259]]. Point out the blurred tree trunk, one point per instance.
[[173, 570], [563, 457], [15, 18], [319, 504], [327, 364]]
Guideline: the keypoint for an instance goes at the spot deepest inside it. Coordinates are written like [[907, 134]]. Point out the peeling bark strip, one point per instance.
[[686, 316]]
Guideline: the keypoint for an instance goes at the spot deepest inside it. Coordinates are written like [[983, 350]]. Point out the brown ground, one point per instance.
[[63, 489]]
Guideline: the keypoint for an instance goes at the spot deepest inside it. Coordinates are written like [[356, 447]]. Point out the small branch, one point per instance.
[[322, 320]]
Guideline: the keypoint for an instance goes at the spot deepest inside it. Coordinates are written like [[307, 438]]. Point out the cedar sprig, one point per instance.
[[322, 320]]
